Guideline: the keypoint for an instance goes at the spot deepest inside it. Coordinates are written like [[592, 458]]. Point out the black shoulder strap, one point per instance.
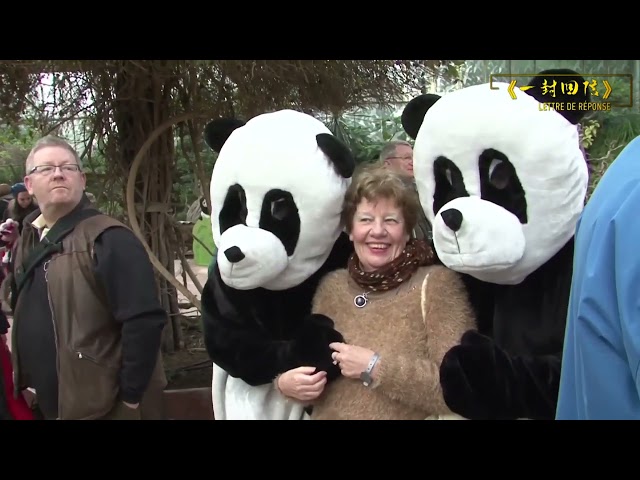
[[50, 243]]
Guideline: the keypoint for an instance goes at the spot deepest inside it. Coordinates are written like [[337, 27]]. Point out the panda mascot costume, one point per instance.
[[503, 182], [277, 190]]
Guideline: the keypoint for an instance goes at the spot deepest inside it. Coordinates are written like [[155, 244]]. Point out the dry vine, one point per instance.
[[126, 110], [131, 206]]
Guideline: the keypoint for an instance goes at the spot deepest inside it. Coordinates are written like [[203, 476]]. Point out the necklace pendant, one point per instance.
[[360, 300]]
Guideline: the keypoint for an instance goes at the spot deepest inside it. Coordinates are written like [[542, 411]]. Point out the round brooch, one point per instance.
[[360, 300]]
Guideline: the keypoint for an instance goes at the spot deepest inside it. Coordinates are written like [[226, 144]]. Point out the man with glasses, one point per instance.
[[87, 318], [398, 155]]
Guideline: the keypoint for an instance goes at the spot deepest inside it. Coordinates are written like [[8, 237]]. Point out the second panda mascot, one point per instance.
[[277, 190], [503, 181]]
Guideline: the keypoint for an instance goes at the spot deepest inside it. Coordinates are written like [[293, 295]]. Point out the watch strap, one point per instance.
[[366, 375]]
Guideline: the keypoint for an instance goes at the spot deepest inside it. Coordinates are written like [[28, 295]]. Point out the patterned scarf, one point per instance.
[[417, 253]]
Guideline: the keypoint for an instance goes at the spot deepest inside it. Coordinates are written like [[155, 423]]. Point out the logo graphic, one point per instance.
[[598, 85]]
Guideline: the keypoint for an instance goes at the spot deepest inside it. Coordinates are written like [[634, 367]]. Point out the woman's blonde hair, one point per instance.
[[374, 182]]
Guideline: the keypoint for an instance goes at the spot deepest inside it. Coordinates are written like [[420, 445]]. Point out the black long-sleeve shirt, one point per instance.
[[122, 266], [123, 269]]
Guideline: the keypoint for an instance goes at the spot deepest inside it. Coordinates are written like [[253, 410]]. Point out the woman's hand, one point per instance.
[[302, 384], [352, 359]]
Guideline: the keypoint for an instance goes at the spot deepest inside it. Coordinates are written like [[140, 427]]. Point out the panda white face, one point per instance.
[[276, 191], [502, 181]]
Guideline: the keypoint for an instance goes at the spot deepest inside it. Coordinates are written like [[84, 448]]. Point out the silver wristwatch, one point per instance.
[[366, 375]]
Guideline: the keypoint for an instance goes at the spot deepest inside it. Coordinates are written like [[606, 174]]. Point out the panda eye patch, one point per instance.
[[449, 182], [499, 174], [234, 208], [280, 209], [447, 173], [499, 183]]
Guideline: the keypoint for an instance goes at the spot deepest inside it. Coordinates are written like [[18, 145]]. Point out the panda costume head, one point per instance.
[[276, 192], [502, 180]]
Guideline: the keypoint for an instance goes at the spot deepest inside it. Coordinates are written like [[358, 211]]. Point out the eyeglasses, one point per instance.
[[49, 169]]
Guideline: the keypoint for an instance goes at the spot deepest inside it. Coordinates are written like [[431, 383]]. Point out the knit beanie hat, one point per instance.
[[17, 188]]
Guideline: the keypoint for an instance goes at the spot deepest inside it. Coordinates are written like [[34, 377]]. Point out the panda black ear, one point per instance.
[[216, 132], [414, 112], [340, 156], [561, 76]]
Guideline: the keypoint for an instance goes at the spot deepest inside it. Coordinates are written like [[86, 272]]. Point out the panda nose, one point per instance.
[[452, 219], [234, 254]]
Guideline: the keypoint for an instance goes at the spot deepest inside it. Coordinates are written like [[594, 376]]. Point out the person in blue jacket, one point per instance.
[[599, 378]]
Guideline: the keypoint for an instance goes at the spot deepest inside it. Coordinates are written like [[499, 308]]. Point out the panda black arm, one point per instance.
[[538, 381], [481, 380], [238, 345], [535, 366]]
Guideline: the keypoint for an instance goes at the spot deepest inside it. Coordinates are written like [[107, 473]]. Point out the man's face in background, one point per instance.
[[401, 159]]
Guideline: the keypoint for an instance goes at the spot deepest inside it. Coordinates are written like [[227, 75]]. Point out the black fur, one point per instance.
[[218, 131], [280, 216], [340, 156], [559, 76], [413, 113], [515, 373], [257, 334], [234, 208], [501, 184]]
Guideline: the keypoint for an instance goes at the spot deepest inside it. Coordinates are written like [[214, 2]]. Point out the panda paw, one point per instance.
[[312, 344], [477, 379]]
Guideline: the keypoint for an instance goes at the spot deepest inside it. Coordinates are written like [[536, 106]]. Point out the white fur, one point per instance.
[[265, 257], [544, 148], [233, 399], [278, 150], [490, 247]]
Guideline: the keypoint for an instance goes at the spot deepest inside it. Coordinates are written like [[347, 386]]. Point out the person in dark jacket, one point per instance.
[[87, 318], [20, 206]]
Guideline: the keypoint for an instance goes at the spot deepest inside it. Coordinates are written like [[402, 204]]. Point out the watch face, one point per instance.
[[366, 378]]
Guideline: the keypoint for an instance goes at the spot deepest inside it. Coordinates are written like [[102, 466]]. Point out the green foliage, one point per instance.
[[366, 132], [589, 131], [15, 143], [186, 187], [616, 129]]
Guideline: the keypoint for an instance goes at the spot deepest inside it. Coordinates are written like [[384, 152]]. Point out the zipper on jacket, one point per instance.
[[55, 330], [14, 358], [84, 355]]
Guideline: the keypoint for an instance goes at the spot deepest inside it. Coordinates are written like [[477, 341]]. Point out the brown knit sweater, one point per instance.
[[411, 327]]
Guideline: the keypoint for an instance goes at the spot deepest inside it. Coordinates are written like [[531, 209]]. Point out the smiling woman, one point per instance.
[[398, 312], [379, 214]]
